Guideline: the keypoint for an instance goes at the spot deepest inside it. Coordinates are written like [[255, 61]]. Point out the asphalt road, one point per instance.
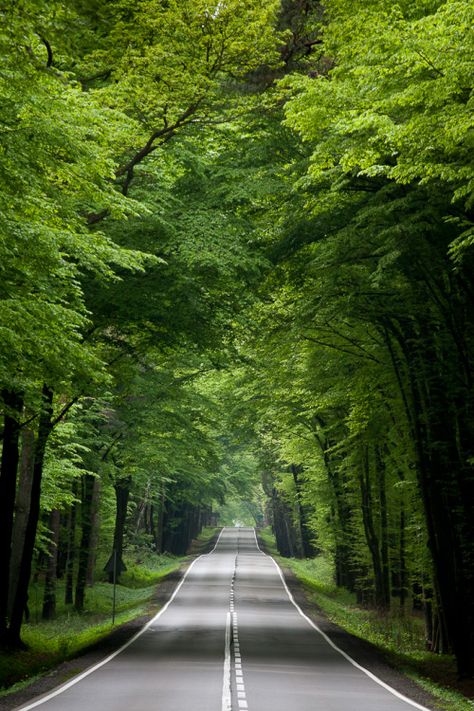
[[229, 639]]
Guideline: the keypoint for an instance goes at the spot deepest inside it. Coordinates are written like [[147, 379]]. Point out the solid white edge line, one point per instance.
[[372, 676], [226, 699], [94, 668]]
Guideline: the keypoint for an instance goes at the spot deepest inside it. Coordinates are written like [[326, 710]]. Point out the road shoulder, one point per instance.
[[361, 651]]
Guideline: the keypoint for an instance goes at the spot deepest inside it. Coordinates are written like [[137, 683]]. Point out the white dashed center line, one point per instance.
[[232, 645], [239, 676], [226, 696]]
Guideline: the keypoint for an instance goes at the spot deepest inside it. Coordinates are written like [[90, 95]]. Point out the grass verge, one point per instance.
[[400, 639]]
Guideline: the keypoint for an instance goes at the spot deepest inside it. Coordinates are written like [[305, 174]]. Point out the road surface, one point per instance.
[[231, 638]]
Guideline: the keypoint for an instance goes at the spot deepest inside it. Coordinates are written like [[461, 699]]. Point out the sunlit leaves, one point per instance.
[[398, 103]]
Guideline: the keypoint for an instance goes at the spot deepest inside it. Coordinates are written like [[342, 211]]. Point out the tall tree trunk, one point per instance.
[[384, 555], [345, 569], [21, 597], [199, 522], [160, 520], [176, 526], [94, 535], [281, 527], [88, 481], [142, 511], [22, 509], [71, 549], [122, 493], [150, 520], [402, 567], [445, 484], [369, 531], [49, 599], [13, 402], [307, 547]]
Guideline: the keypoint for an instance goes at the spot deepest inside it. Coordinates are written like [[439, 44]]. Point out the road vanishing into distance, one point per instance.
[[230, 638]]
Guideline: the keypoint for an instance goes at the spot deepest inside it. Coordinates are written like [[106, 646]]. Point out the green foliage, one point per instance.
[[64, 464], [266, 536], [193, 45], [53, 171], [398, 103]]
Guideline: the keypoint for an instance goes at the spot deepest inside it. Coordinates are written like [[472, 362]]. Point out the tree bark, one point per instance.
[[345, 572], [282, 526], [21, 597], [160, 521], [9, 465], [71, 550], [85, 544], [49, 598], [94, 534], [402, 571], [22, 509], [308, 549], [445, 484], [369, 531], [384, 555], [150, 520], [122, 493]]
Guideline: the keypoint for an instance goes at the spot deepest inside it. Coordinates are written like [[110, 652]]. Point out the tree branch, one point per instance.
[[115, 441], [64, 411], [364, 355], [164, 135], [49, 62]]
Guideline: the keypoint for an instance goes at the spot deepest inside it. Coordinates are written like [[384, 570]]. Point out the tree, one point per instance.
[[386, 203]]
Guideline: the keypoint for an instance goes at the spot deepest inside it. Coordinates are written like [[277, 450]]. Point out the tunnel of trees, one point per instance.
[[236, 261]]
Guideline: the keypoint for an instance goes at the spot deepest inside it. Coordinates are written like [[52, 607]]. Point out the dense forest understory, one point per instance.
[[236, 283]]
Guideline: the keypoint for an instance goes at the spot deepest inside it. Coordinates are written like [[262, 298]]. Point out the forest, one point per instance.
[[236, 283]]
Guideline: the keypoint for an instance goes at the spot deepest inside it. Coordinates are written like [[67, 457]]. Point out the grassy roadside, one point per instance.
[[52, 642], [400, 640]]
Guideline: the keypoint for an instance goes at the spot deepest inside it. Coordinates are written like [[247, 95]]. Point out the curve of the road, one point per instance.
[[230, 638]]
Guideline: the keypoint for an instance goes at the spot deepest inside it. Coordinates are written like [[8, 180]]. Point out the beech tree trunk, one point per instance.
[[371, 537], [283, 529], [94, 534], [71, 550], [21, 597], [88, 481], [402, 566], [160, 521], [13, 402], [22, 509], [122, 493], [345, 573], [49, 598], [307, 547], [384, 554], [446, 484], [150, 520]]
